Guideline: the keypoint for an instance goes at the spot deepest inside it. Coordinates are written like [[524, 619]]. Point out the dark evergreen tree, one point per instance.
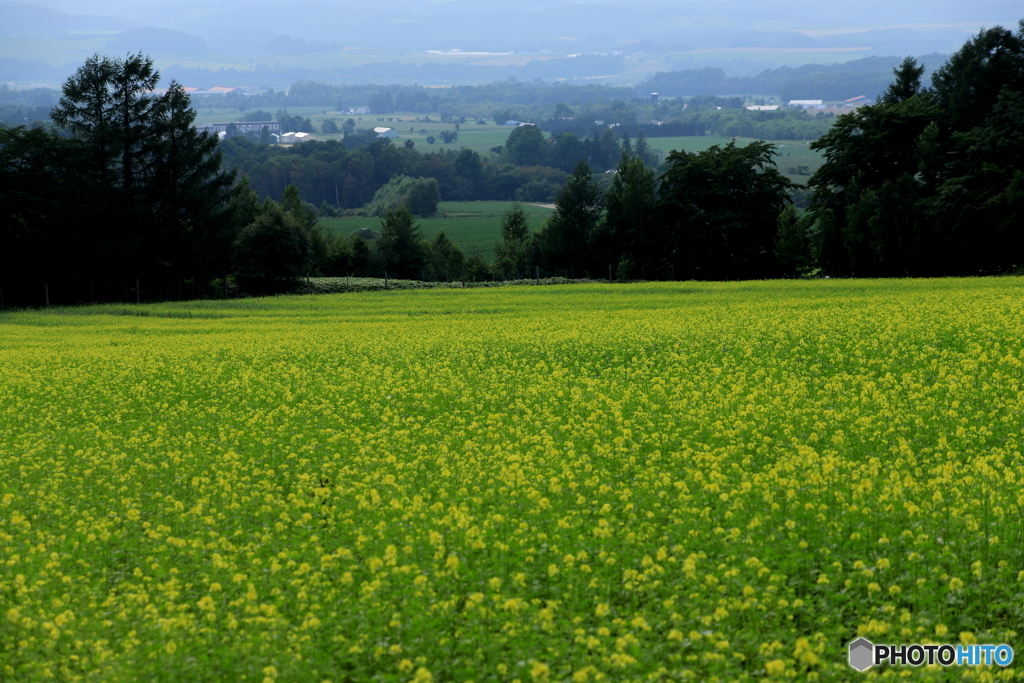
[[571, 231], [156, 192], [291, 202], [511, 254], [190, 194], [792, 246], [399, 244], [644, 151], [87, 111], [907, 82], [361, 262], [443, 259], [630, 222], [43, 237]]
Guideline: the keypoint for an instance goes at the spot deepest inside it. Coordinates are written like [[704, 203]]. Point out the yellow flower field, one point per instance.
[[651, 482]]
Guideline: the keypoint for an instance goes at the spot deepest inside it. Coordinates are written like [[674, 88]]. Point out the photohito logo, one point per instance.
[[863, 654]]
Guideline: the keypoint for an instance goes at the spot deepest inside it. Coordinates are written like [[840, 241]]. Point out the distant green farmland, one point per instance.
[[479, 138], [483, 138], [790, 153], [474, 226]]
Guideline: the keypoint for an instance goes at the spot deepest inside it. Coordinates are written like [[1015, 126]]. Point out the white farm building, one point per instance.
[[294, 138]]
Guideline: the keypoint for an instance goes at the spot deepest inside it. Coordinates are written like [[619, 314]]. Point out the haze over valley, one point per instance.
[[262, 45]]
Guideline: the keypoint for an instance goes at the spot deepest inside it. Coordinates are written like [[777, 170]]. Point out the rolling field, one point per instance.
[[656, 482], [471, 225]]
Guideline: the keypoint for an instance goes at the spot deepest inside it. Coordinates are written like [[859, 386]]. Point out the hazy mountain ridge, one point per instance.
[[622, 43], [19, 18]]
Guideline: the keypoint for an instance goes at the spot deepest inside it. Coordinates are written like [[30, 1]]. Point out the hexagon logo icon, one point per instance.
[[862, 653]]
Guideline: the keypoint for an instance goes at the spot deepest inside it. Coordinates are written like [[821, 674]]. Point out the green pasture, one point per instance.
[[474, 226]]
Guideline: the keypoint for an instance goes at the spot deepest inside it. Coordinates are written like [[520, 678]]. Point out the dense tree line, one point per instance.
[[701, 115], [130, 191], [711, 216], [348, 177], [929, 181]]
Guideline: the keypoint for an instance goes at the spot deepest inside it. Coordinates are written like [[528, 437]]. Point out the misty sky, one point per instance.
[[47, 37]]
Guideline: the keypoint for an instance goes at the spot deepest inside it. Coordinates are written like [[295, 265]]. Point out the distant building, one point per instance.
[[294, 138], [654, 97], [386, 132], [242, 127], [762, 107], [804, 103], [510, 122]]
